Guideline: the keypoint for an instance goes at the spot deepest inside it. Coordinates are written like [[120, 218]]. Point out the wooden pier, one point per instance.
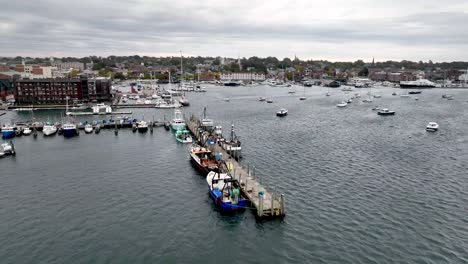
[[266, 204]]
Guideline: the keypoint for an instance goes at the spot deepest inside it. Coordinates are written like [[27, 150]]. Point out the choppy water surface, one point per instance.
[[360, 188]]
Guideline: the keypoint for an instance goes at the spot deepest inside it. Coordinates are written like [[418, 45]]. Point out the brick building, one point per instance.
[[55, 91]]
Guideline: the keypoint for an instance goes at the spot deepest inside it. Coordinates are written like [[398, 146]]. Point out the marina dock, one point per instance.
[[267, 204]]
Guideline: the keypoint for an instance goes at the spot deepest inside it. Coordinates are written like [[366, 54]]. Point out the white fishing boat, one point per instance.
[[232, 145], [342, 104], [432, 127]]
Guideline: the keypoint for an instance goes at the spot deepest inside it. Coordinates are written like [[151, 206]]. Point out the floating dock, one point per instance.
[[267, 204], [100, 113]]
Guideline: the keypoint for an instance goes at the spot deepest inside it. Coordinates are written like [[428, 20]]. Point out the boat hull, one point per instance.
[[406, 86], [8, 134], [69, 132], [224, 206], [177, 127], [142, 129], [50, 132], [386, 114]]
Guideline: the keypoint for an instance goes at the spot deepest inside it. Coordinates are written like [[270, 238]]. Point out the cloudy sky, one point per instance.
[[344, 30]]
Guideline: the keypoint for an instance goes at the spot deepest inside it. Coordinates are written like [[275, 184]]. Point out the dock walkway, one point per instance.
[[267, 204]]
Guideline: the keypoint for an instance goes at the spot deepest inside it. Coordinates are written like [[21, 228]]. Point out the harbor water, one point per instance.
[[359, 188]]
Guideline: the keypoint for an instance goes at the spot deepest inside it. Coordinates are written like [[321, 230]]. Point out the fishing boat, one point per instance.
[[206, 122], [88, 128], [69, 130], [225, 191], [8, 131], [178, 122], [385, 112], [342, 104], [282, 112], [142, 126], [27, 131], [203, 159], [232, 145], [432, 127], [183, 136], [49, 129]]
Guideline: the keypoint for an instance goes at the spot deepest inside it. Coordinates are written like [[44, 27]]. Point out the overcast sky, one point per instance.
[[344, 30]]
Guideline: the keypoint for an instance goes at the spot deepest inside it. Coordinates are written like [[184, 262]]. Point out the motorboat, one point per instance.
[[394, 93], [342, 104], [27, 131], [7, 148], [432, 126], [349, 101], [142, 126], [203, 159], [385, 112], [49, 129], [302, 98], [183, 136], [414, 92], [367, 100], [69, 130], [184, 101], [282, 112], [404, 95], [225, 191], [269, 101], [178, 122], [416, 98], [377, 96], [165, 104], [88, 128], [291, 90], [227, 99], [261, 99], [375, 108], [8, 131]]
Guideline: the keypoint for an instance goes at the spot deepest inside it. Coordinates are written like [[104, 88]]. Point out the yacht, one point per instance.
[[432, 126], [178, 122], [282, 112], [49, 129]]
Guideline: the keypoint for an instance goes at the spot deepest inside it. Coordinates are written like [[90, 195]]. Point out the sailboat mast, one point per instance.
[[181, 69]]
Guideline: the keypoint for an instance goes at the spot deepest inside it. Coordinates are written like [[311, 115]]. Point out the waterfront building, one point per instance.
[[243, 76], [55, 91], [68, 65]]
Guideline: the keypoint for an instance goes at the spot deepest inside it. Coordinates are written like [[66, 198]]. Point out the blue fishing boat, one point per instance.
[[8, 131], [225, 191]]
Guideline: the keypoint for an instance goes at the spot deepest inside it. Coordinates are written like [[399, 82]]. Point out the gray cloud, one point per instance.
[[231, 28]]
